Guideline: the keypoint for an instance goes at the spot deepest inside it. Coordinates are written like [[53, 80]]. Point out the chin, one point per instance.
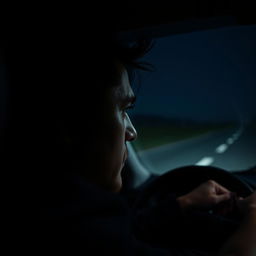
[[117, 186]]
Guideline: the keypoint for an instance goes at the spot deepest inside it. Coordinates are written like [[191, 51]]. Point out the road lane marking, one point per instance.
[[235, 136], [205, 161], [221, 149], [230, 141]]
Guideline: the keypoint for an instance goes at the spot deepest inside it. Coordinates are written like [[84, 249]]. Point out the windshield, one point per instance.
[[198, 106]]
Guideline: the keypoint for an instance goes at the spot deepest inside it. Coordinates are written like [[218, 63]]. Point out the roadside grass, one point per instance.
[[153, 136]]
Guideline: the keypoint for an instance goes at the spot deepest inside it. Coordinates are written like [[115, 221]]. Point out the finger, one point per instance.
[[220, 189], [240, 204], [222, 198]]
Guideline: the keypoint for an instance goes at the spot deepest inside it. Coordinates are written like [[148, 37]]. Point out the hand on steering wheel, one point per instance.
[[192, 181], [205, 197], [211, 204]]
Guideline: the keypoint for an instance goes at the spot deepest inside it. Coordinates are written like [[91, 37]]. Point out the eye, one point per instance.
[[127, 109], [132, 106]]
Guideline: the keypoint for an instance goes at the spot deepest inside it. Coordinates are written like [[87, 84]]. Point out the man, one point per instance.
[[76, 150]]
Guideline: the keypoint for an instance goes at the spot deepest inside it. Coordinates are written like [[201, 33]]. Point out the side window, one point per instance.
[[198, 107]]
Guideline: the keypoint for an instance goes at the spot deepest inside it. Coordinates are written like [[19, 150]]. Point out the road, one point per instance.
[[231, 149]]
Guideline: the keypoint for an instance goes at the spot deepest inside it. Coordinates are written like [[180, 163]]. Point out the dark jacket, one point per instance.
[[79, 218]]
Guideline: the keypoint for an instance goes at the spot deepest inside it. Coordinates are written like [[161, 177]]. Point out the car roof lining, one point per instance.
[[197, 14]]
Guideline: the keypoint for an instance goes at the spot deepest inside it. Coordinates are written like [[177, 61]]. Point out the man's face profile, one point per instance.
[[117, 130]]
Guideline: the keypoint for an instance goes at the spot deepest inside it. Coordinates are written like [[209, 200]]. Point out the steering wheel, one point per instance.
[[182, 180]]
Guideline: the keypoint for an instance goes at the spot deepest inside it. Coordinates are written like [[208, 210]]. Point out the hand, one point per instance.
[[245, 205], [205, 196]]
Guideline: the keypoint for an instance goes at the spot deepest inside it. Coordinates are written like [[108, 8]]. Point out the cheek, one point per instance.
[[120, 130], [117, 140], [115, 133]]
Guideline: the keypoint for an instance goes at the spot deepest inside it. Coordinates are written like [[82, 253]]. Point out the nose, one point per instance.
[[130, 133]]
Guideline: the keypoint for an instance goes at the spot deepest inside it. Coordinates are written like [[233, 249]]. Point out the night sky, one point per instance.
[[206, 76]]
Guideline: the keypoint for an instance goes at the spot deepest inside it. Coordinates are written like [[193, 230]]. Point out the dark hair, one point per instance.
[[130, 55]]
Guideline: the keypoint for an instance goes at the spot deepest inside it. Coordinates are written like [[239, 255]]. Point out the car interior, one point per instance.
[[160, 22], [152, 169]]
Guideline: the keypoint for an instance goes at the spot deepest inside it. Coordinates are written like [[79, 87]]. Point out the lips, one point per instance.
[[125, 155]]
